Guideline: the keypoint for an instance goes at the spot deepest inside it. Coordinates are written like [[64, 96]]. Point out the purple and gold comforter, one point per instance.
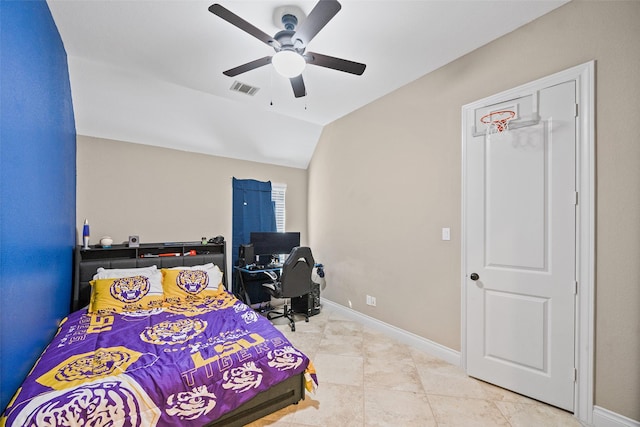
[[181, 365]]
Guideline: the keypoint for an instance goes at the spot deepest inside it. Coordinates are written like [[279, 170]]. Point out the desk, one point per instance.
[[250, 280]]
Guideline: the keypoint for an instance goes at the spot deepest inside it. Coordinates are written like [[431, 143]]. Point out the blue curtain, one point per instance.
[[253, 210]]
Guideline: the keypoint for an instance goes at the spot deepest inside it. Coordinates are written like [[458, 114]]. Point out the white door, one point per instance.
[[520, 228]]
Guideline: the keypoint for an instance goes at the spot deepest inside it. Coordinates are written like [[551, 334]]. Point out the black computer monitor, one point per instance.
[[274, 243]]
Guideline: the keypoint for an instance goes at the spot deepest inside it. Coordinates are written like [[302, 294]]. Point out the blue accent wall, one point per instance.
[[37, 187]]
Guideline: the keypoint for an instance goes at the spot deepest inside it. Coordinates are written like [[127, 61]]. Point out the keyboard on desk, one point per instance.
[[259, 267]]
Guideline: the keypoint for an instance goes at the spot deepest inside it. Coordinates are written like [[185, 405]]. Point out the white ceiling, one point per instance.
[[150, 72]]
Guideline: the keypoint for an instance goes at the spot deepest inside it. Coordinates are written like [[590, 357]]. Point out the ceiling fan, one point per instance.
[[290, 44]]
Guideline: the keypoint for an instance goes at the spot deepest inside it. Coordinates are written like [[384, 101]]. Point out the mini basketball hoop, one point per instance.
[[498, 121]]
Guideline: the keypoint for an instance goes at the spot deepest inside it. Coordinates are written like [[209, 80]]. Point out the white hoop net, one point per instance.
[[497, 121]]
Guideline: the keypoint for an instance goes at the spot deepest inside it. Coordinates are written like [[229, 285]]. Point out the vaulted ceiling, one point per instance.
[[150, 72]]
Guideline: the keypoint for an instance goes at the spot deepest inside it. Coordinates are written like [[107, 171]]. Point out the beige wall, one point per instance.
[[165, 195], [385, 179]]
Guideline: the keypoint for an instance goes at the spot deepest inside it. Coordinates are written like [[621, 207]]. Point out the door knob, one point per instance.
[[474, 276]]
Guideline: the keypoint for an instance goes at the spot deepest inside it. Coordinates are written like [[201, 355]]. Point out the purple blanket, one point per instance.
[[181, 366]]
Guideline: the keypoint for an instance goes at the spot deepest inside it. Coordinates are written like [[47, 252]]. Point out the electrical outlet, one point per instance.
[[371, 300]]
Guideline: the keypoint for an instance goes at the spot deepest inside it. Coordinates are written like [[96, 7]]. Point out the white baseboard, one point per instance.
[[606, 418], [401, 335]]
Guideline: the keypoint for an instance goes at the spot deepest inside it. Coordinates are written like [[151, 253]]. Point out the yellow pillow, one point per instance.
[[184, 284], [125, 294]]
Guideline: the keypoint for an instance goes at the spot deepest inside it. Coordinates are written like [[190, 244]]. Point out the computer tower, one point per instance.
[[309, 303], [246, 255], [314, 299]]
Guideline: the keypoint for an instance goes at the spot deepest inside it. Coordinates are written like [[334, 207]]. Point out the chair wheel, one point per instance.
[[306, 320]]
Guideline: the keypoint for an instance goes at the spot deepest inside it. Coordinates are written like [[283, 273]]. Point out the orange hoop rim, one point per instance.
[[501, 123], [489, 116]]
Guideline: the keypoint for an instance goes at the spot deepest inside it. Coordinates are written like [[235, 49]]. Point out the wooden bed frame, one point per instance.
[[166, 255]]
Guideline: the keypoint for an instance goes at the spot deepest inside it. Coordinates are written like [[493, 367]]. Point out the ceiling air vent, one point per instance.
[[244, 88]]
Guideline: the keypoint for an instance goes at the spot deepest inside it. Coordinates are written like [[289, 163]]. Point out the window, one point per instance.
[[277, 197]]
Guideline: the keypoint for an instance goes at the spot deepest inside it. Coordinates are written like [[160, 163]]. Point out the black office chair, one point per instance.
[[295, 281]]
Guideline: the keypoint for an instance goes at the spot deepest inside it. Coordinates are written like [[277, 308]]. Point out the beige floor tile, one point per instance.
[[536, 414], [336, 369], [343, 328], [449, 380], [308, 342], [425, 359], [376, 343], [465, 412], [263, 422], [498, 394], [337, 315], [397, 408], [331, 405], [391, 372], [367, 379], [344, 345]]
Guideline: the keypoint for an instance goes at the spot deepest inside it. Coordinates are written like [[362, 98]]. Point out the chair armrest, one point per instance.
[[272, 275], [271, 286]]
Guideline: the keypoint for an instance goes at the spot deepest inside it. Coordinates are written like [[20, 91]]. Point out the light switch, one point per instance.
[[446, 233]]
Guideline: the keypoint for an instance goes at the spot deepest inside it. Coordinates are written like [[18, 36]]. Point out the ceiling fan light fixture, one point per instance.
[[288, 63]]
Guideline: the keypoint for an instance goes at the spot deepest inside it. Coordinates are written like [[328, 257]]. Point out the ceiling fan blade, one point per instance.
[[297, 83], [247, 67], [335, 63], [319, 16], [245, 26]]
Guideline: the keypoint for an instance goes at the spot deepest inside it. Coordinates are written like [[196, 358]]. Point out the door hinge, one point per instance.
[[577, 110], [575, 287], [575, 198], [575, 375]]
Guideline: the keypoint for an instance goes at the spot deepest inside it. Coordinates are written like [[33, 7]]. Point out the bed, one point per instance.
[[185, 353]]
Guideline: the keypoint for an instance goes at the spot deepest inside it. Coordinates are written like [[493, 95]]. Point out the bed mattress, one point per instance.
[[179, 365]]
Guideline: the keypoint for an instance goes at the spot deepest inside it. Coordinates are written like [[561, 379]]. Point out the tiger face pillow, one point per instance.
[[139, 293], [186, 284]]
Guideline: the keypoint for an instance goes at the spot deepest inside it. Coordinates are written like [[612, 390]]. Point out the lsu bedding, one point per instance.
[[179, 365]]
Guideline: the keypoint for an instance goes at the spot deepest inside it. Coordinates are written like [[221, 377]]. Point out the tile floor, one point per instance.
[[368, 379]]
